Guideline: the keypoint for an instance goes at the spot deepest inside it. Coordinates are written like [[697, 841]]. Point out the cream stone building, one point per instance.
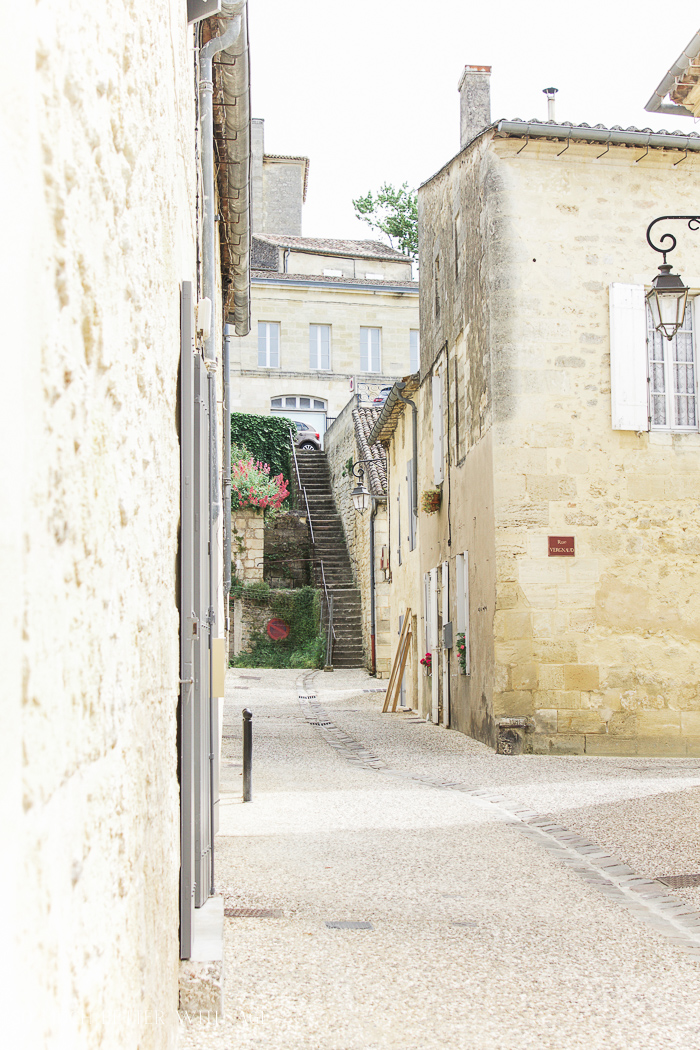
[[330, 317], [100, 145], [560, 434]]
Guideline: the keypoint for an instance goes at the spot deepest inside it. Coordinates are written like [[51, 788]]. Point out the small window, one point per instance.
[[370, 349], [268, 344], [290, 402], [276, 402], [304, 402], [672, 377], [374, 276], [415, 350], [320, 404], [320, 346], [332, 273]]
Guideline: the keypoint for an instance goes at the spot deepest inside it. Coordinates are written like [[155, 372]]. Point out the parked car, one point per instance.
[[306, 439], [382, 396]]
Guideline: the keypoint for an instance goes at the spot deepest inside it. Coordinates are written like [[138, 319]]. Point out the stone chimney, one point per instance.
[[474, 102]]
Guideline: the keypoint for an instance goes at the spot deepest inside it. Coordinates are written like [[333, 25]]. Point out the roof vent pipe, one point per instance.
[[474, 102], [550, 93]]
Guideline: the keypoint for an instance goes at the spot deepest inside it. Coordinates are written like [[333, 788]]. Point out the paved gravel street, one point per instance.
[[512, 901]]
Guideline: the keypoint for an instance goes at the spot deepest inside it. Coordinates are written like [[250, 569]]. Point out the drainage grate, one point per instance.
[[252, 913], [459, 922], [345, 924], [679, 881], [320, 723]]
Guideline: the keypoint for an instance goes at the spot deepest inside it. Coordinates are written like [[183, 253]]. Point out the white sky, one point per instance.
[[367, 89]]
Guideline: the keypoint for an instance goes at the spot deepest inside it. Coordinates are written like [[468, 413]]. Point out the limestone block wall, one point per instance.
[[99, 170], [599, 651], [248, 544]]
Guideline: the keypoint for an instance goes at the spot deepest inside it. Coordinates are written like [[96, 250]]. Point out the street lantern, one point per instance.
[[667, 298], [360, 497]]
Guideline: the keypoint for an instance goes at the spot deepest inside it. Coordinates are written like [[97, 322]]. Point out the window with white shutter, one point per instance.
[[268, 344], [628, 357], [415, 350], [320, 346], [673, 376], [409, 498], [370, 349]]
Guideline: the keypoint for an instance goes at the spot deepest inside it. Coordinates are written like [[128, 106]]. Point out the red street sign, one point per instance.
[[277, 630], [562, 547]]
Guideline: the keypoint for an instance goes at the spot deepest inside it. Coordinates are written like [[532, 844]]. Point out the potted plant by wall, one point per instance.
[[427, 662], [462, 653], [431, 500]]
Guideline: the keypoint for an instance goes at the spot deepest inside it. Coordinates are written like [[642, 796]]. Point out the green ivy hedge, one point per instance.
[[304, 646], [266, 438]]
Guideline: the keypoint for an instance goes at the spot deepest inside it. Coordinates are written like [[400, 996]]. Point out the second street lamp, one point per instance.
[[668, 296]]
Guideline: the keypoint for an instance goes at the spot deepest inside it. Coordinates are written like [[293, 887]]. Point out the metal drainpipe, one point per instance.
[[206, 110]]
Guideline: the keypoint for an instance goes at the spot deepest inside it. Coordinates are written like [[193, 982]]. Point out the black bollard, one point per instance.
[[247, 754]]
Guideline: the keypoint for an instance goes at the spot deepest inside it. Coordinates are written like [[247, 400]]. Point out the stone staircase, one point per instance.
[[330, 547]]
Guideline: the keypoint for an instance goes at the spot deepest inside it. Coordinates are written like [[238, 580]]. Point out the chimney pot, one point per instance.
[[474, 102]]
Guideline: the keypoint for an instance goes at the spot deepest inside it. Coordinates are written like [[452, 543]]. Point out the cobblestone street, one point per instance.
[[506, 902]]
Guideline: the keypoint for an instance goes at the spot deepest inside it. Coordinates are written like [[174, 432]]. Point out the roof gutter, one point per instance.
[[388, 407], [656, 103], [521, 129], [232, 119]]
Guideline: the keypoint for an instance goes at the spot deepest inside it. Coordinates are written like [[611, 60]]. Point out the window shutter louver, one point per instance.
[[325, 349], [364, 349], [628, 358], [313, 346], [274, 330]]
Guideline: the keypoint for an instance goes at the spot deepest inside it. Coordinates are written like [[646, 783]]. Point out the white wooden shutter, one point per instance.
[[274, 345], [364, 349], [313, 346], [325, 348], [437, 430], [628, 358]]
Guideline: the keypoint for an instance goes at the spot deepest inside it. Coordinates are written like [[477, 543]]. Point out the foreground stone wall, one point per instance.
[[98, 151]]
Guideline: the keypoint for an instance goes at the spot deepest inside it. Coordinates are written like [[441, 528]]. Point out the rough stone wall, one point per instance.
[[248, 544], [455, 341], [601, 650], [396, 313], [288, 551], [340, 447], [98, 163], [283, 194]]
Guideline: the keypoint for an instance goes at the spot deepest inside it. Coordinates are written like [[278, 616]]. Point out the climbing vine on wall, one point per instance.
[[266, 438], [303, 647]]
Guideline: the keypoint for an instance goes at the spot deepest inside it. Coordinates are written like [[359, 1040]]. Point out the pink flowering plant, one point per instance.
[[462, 653], [427, 662], [251, 484]]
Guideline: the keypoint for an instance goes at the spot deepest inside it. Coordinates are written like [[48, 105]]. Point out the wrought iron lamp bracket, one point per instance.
[[693, 224]]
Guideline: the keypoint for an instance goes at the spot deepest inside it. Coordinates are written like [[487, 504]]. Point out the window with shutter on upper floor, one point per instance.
[[320, 346], [268, 344], [414, 346], [653, 381], [370, 349]]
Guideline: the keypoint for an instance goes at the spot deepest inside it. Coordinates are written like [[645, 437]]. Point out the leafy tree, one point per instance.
[[395, 213]]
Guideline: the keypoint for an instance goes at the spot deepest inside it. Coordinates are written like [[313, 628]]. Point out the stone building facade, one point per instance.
[[99, 143], [330, 317], [566, 534]]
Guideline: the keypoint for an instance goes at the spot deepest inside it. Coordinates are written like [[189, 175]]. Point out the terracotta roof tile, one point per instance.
[[374, 455]]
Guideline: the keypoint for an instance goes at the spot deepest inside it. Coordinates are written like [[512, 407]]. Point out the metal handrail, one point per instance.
[[328, 598]]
